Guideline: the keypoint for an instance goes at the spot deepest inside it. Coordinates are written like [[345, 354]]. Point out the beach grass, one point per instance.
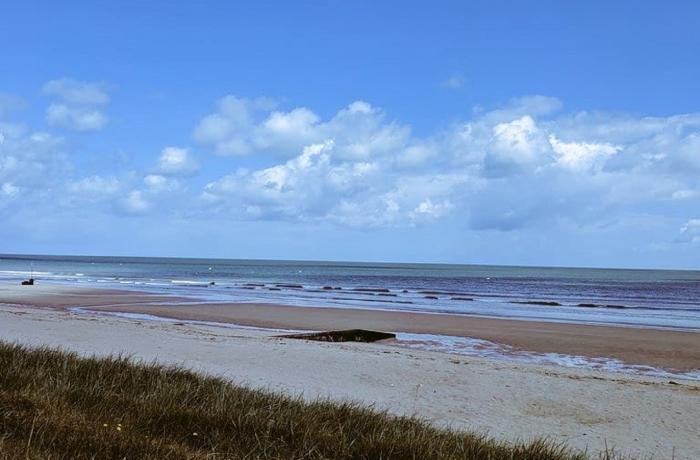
[[58, 405]]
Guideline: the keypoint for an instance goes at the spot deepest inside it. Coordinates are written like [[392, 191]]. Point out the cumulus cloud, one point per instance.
[[158, 183], [245, 126], [78, 104], [135, 202], [78, 118], [77, 92], [581, 155], [177, 162], [321, 184], [526, 164], [32, 165], [229, 128], [690, 231], [523, 164], [95, 185], [31, 160], [87, 191]]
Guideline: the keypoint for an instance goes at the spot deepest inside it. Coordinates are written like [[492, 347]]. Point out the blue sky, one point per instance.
[[538, 133]]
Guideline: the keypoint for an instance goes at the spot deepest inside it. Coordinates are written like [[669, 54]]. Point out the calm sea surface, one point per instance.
[[658, 298]]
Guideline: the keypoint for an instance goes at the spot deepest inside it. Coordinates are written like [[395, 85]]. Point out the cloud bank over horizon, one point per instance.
[[529, 165]]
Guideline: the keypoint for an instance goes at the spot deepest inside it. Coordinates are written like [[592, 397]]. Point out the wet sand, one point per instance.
[[677, 350], [59, 296], [666, 349]]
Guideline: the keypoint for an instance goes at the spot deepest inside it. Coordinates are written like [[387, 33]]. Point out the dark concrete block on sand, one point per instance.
[[348, 335]]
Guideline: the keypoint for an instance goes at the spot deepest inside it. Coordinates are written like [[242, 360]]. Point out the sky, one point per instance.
[[485, 132]]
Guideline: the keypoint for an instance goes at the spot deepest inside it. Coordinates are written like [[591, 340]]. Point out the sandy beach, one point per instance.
[[584, 408], [676, 350], [662, 348]]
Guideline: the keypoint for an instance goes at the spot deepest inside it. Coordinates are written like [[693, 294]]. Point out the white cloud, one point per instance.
[[9, 190], [177, 162], [526, 164], [244, 127], [518, 137], [229, 129], [323, 184], [532, 106], [428, 210], [285, 190], [95, 185], [77, 92], [581, 155], [519, 165], [78, 118], [684, 194], [88, 191], [516, 146], [80, 104], [136, 203], [157, 183], [31, 160], [690, 231]]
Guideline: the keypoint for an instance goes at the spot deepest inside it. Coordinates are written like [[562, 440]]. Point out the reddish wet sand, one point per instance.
[[669, 349]]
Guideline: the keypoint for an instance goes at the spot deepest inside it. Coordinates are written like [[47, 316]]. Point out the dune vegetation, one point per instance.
[[58, 405]]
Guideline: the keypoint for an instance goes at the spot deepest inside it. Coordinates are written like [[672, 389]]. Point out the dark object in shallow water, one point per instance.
[[29, 282], [292, 286], [547, 303], [348, 335], [432, 297], [468, 299]]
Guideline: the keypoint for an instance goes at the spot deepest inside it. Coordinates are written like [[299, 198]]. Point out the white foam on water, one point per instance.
[[486, 349], [191, 283], [23, 273]]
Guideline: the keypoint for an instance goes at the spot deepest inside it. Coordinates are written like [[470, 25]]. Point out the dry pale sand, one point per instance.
[[641, 416]]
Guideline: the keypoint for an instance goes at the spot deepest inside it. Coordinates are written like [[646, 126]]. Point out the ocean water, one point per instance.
[[634, 298], [645, 298]]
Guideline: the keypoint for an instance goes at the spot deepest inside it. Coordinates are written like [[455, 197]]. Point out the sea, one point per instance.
[[624, 297]]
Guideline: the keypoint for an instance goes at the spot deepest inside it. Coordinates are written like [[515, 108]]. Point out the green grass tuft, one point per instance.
[[57, 405]]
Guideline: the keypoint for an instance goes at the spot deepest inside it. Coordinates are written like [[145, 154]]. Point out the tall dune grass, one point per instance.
[[57, 405]]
